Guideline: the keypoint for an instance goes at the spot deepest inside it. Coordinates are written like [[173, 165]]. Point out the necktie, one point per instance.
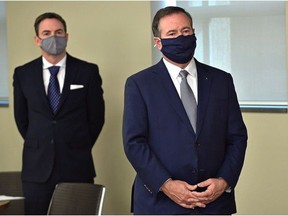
[[188, 99], [53, 88]]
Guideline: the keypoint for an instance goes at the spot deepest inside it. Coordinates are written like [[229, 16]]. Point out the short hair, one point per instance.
[[48, 15], [165, 12]]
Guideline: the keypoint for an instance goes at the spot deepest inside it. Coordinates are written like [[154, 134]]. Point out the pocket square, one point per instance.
[[73, 86]]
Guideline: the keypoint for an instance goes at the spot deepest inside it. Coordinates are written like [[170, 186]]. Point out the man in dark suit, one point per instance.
[[59, 120], [185, 163]]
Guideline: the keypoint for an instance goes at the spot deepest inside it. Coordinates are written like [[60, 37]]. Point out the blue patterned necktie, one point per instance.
[[54, 89], [188, 99]]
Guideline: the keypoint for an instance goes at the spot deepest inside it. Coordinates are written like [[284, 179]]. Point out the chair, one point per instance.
[[77, 199], [11, 185]]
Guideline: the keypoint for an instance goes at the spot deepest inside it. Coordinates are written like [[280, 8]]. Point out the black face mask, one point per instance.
[[181, 49]]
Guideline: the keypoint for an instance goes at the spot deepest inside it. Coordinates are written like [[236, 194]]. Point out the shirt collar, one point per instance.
[[47, 64], [174, 70]]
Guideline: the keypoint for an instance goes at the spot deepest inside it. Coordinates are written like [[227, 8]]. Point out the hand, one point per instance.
[[180, 193], [215, 188]]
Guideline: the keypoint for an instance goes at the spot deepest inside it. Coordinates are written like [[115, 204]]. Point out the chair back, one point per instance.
[[77, 199], [11, 185]]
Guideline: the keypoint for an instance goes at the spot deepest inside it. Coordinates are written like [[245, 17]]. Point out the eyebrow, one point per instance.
[[184, 28], [47, 31], [187, 27]]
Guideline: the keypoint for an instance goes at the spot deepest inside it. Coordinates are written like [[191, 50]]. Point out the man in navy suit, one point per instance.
[[181, 169], [58, 137]]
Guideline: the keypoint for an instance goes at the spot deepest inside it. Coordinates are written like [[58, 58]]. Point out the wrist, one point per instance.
[[226, 186], [164, 184]]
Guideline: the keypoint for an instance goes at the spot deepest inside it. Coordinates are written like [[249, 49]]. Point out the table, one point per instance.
[[4, 204]]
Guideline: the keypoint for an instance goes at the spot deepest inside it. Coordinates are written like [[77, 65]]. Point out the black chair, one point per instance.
[[77, 199], [11, 185]]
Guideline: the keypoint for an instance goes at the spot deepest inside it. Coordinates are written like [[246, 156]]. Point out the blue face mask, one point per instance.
[[181, 49]]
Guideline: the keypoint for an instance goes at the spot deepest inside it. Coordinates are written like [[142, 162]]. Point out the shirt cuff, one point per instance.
[[228, 190]]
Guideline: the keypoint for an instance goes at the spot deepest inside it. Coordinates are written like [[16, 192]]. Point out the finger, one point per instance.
[[199, 204], [201, 194], [193, 205], [193, 200], [190, 206], [191, 187], [204, 183]]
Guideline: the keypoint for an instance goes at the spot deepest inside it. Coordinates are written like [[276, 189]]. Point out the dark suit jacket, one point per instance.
[[160, 143], [66, 137]]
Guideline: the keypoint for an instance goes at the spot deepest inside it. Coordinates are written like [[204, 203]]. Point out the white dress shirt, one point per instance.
[[191, 77], [60, 75]]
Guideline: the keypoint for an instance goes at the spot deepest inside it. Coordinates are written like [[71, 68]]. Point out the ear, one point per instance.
[[157, 42], [37, 40]]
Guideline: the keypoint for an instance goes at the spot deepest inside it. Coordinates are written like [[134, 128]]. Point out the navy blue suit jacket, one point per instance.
[[64, 140], [160, 143]]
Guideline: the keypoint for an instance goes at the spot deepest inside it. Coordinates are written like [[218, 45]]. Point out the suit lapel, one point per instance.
[[171, 93], [204, 84], [39, 84], [71, 71]]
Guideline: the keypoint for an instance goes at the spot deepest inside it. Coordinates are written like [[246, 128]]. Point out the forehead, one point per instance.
[[50, 24], [174, 21]]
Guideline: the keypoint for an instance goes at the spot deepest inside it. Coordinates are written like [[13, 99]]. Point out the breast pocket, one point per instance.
[[75, 98]]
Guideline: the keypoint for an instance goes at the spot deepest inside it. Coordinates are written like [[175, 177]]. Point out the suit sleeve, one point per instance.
[[136, 139], [95, 104], [20, 106], [236, 140]]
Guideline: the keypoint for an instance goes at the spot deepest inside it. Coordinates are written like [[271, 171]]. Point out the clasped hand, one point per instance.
[[186, 195]]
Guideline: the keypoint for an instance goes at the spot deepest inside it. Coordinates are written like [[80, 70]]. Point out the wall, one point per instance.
[[111, 34], [117, 36]]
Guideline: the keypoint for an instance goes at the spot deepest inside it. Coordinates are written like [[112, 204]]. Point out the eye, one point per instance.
[[46, 33], [171, 34], [187, 31], [59, 33]]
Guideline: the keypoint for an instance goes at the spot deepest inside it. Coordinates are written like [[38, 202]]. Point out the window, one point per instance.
[[3, 56], [246, 39]]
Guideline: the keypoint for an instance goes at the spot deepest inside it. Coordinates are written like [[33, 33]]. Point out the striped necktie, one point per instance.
[[54, 89]]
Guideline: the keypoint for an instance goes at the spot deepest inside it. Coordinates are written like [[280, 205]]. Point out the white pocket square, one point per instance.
[[72, 86]]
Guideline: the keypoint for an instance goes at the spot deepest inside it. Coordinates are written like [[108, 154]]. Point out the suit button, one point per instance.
[[194, 170], [52, 141], [198, 144], [54, 122]]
